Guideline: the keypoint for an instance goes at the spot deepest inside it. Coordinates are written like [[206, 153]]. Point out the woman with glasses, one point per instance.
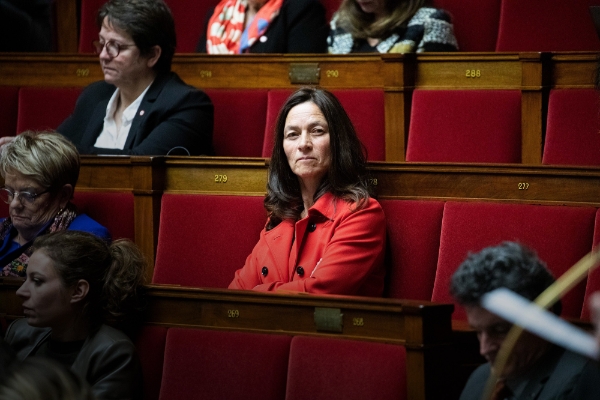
[[40, 171], [141, 107]]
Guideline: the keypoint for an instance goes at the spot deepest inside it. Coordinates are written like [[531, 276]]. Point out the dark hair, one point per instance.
[[148, 22], [114, 272], [43, 378], [510, 265], [362, 25], [346, 177]]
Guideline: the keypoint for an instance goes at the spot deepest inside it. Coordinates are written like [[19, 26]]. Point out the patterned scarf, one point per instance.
[[18, 265], [226, 34]]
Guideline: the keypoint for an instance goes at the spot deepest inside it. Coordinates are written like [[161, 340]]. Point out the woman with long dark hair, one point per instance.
[[325, 232]]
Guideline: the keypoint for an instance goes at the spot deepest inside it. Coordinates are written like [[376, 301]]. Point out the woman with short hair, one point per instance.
[[76, 284], [141, 107], [40, 171], [325, 232], [390, 26]]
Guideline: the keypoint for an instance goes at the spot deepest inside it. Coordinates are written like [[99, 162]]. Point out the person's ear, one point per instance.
[[154, 56], [65, 194], [80, 290]]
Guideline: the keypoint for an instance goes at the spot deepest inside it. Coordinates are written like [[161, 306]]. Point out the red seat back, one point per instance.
[[216, 365], [88, 30], [204, 239], [365, 108], [593, 281], [465, 126], [113, 210], [547, 25], [560, 236], [573, 128], [475, 22], [150, 345], [239, 122], [9, 106], [331, 6], [324, 368], [43, 108], [413, 231]]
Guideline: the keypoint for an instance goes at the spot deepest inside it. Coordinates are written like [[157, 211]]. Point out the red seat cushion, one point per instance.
[[45, 108], [113, 210], [475, 22], [217, 365], [239, 122], [323, 368], [593, 282], [547, 25], [150, 345], [573, 128], [9, 106], [366, 109], [465, 126], [560, 236], [204, 239], [413, 231]]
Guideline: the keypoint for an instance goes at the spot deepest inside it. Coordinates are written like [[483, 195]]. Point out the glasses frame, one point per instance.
[[29, 197], [97, 44]]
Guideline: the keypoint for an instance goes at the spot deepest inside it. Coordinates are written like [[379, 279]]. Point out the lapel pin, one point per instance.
[[142, 113]]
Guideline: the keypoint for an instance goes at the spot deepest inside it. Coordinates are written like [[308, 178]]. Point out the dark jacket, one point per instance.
[[174, 115], [107, 360], [300, 27]]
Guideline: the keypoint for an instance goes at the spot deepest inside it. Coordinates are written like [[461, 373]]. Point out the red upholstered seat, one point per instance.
[[413, 231], [88, 30], [547, 25], [365, 108], [465, 126], [560, 235], [188, 15], [217, 365], [593, 282], [323, 368], [42, 108], [9, 105], [239, 122], [150, 345], [204, 239], [331, 6], [475, 22], [111, 209], [573, 128]]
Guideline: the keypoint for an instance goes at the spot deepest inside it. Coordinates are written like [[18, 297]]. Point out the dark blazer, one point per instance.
[[172, 115], [107, 360], [300, 27], [559, 374]]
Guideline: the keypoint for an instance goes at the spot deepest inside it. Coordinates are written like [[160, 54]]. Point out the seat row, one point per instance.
[[180, 363], [488, 25], [445, 125]]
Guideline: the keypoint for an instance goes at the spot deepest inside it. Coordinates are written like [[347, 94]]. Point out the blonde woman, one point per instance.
[[390, 26]]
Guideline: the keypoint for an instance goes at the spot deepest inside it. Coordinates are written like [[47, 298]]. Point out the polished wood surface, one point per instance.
[[396, 74]]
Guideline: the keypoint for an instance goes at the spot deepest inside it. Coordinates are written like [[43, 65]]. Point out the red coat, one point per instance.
[[336, 251]]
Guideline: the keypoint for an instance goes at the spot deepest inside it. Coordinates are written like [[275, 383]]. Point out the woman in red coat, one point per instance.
[[325, 233]]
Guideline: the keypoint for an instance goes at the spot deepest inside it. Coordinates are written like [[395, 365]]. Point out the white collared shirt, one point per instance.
[[110, 138]]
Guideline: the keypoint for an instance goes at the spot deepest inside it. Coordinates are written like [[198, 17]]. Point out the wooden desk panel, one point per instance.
[[573, 70]]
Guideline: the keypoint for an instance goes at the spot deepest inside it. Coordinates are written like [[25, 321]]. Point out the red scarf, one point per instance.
[[226, 34]]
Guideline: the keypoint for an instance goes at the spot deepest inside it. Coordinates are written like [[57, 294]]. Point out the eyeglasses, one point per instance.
[[112, 48], [8, 195]]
